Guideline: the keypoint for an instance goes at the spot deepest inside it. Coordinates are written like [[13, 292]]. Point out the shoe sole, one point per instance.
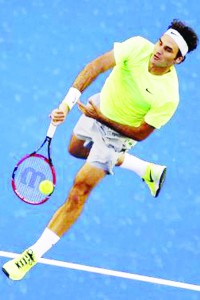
[[8, 275], [162, 179], [5, 272]]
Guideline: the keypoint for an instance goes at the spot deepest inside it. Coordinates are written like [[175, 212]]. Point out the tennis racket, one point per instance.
[[31, 170]]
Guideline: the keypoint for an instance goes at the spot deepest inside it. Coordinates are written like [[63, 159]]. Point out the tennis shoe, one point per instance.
[[17, 268], [154, 177]]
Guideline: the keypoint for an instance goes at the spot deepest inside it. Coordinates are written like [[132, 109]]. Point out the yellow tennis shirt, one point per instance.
[[131, 94]]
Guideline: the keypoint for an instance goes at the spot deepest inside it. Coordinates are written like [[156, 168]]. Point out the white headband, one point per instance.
[[178, 39]]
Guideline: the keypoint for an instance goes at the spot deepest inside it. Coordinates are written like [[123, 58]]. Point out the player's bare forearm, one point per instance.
[[83, 80], [93, 69], [136, 133]]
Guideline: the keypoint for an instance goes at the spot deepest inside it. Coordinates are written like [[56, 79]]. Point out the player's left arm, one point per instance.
[[136, 133]]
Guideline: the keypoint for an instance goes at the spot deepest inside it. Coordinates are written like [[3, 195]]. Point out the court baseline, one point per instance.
[[108, 272]]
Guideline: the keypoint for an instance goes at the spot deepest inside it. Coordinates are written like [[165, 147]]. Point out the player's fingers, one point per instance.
[[95, 108], [57, 113], [57, 118], [81, 105], [82, 110], [57, 121], [92, 103]]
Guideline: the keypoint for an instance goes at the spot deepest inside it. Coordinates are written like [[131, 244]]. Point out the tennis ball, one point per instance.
[[46, 187]]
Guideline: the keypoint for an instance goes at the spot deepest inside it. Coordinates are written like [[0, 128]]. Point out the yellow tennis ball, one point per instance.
[[46, 187]]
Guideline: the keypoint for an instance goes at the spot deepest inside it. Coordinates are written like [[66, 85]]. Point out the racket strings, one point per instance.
[[28, 175]]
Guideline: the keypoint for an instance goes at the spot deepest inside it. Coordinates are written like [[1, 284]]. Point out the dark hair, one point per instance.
[[187, 33]]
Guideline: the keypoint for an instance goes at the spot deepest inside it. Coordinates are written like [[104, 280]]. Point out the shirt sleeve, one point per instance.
[[160, 115], [132, 46]]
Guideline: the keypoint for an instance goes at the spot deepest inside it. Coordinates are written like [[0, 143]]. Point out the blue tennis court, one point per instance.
[[126, 245]]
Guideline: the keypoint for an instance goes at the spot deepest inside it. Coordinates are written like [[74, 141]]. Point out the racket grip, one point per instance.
[[51, 130]]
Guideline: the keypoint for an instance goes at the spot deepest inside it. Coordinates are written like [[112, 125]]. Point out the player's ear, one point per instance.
[[179, 59]]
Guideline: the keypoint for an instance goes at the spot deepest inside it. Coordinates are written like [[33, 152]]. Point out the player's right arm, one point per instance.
[[91, 71]]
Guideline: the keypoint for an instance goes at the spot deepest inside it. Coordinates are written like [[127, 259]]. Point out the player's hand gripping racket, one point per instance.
[[33, 169]]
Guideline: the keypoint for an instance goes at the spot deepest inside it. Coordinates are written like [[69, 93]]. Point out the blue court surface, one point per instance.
[[126, 244]]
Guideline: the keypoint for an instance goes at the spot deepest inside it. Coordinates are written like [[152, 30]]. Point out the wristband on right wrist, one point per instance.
[[72, 97]]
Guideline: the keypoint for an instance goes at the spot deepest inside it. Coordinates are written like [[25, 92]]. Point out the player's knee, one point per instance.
[[82, 188], [78, 151], [79, 194]]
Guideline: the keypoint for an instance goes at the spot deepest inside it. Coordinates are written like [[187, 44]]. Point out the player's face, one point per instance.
[[165, 52]]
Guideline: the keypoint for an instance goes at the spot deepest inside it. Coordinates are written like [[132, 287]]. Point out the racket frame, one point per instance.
[[50, 133]]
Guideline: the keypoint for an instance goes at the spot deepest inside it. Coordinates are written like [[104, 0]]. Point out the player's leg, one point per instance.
[[87, 178], [82, 137], [152, 174], [77, 147]]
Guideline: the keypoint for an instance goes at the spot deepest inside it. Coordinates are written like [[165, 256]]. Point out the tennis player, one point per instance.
[[140, 95]]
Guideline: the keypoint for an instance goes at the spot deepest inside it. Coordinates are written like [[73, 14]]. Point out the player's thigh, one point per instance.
[[77, 148]]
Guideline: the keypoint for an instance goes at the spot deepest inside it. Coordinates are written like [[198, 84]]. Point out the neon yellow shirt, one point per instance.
[[131, 94]]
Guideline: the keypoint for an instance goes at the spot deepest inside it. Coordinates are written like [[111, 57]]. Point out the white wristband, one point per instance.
[[72, 97]]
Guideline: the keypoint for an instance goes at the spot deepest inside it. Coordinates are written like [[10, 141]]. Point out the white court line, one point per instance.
[[108, 272]]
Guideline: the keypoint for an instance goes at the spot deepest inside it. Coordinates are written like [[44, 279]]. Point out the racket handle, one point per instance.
[[51, 130]]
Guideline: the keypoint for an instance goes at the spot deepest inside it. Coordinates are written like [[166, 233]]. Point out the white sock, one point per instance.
[[45, 242], [134, 164]]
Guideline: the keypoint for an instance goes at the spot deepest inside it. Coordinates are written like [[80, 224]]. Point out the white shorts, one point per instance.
[[106, 145]]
